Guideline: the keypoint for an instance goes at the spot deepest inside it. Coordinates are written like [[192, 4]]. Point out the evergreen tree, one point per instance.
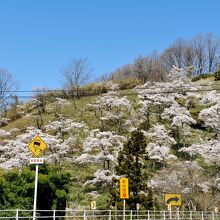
[[131, 165]]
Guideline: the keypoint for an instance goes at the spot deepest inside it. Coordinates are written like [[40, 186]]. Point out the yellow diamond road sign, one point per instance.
[[37, 146], [173, 199]]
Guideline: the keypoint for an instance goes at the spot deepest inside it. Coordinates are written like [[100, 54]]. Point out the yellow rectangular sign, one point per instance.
[[173, 199], [124, 191]]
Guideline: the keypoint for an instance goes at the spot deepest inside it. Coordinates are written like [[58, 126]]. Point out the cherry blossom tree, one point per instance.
[[163, 95], [159, 144], [58, 105], [102, 177], [180, 119], [15, 153], [101, 147], [152, 101], [67, 130], [210, 98], [176, 85], [111, 110], [211, 118], [208, 149], [186, 178], [4, 133]]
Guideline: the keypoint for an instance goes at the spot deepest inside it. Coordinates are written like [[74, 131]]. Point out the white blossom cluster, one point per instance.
[[15, 153], [101, 146], [179, 116], [209, 150], [160, 142], [211, 117], [185, 177]]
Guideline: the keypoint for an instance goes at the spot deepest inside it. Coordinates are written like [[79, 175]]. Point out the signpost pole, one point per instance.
[[124, 210], [35, 192], [170, 211], [37, 146], [124, 192]]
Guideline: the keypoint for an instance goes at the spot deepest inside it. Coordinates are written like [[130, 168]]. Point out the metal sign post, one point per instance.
[[169, 207], [37, 146], [124, 210], [124, 192], [36, 161], [35, 192]]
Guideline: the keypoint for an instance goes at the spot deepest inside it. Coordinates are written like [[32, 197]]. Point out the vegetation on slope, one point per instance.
[[85, 136]]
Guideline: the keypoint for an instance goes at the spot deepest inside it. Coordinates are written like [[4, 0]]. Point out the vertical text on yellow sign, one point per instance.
[[124, 191]]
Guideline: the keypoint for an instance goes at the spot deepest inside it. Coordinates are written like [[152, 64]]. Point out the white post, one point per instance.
[[16, 214], [54, 214], [170, 214], [178, 214], [84, 214], [124, 210], [35, 192], [164, 215], [213, 216], [191, 215], [110, 215], [131, 215]]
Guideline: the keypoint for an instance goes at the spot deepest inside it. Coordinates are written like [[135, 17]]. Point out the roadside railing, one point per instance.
[[108, 215]]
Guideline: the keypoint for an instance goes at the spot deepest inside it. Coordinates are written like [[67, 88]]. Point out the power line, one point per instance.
[[89, 90], [151, 90], [22, 97]]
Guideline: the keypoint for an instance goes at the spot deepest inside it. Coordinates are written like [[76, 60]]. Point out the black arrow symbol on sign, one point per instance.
[[175, 199]]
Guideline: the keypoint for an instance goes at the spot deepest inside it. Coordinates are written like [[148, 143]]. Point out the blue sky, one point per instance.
[[38, 37]]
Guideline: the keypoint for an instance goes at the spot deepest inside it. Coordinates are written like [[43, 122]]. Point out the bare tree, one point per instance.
[[200, 54], [123, 72], [139, 69], [39, 102], [152, 68], [213, 45], [76, 73], [178, 50], [174, 55], [7, 85], [146, 68], [106, 77], [167, 59], [188, 55]]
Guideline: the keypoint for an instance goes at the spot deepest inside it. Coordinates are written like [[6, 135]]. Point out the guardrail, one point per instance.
[[108, 215]]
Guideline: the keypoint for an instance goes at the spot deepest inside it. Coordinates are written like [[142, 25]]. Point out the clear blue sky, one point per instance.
[[38, 37]]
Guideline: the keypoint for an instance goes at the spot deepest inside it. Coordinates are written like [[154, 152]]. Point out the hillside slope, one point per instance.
[[180, 120]]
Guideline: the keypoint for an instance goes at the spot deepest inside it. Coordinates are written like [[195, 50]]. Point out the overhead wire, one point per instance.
[[169, 90]]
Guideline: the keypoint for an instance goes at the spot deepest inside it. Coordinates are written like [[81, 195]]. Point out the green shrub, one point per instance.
[[127, 83], [202, 76], [217, 75], [93, 89]]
